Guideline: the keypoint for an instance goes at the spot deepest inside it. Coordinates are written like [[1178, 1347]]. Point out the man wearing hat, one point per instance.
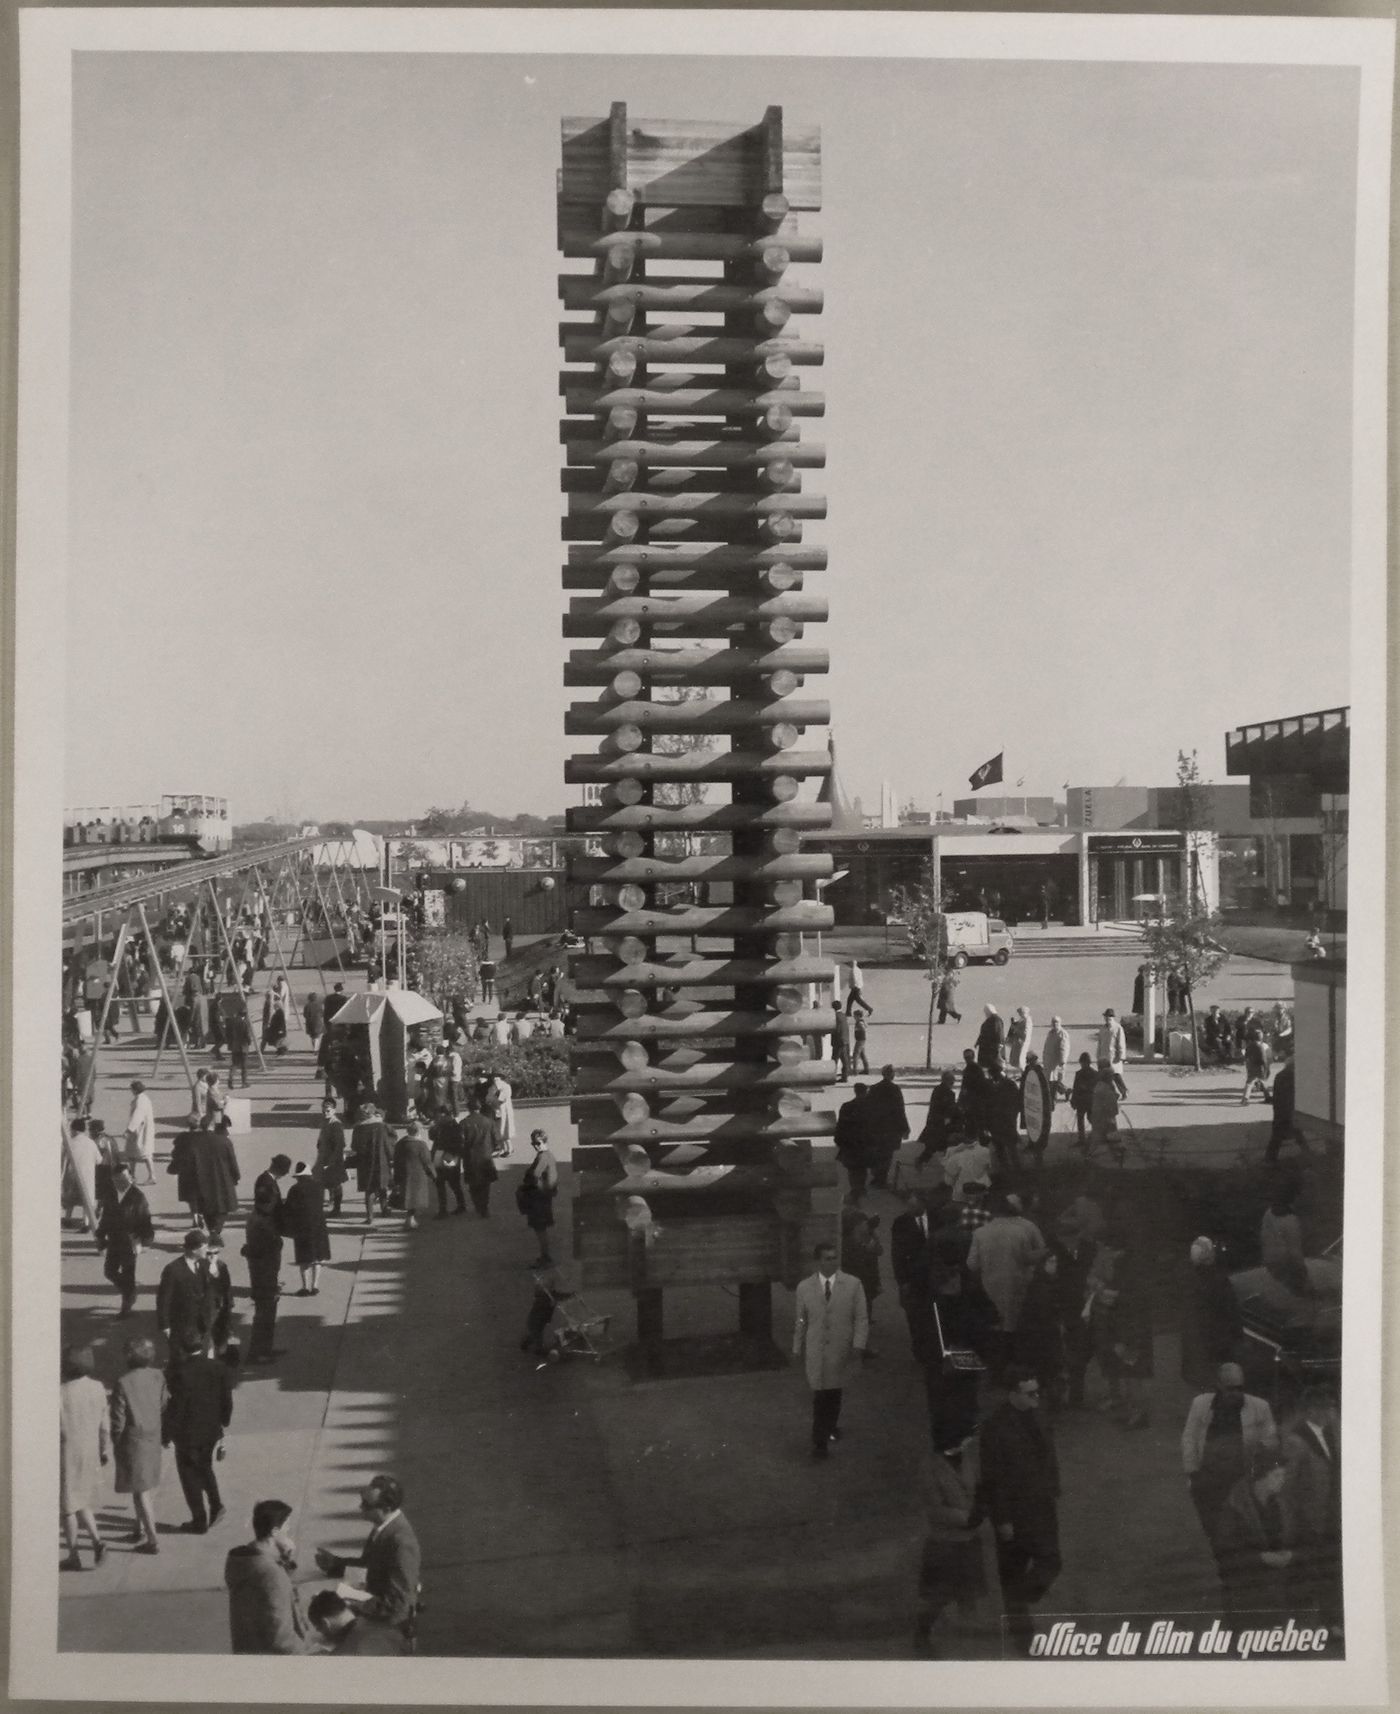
[[1113, 1048]]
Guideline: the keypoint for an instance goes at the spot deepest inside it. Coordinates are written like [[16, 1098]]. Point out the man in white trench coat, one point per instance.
[[832, 1326]]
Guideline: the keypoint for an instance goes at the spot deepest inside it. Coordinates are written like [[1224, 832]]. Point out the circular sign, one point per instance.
[[1035, 1107]]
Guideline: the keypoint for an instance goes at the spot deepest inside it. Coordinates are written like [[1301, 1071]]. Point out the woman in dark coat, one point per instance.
[[216, 1173], [373, 1150], [304, 1222], [138, 1404], [330, 1156], [991, 1039], [262, 1246], [536, 1191], [182, 1170], [1212, 1327]]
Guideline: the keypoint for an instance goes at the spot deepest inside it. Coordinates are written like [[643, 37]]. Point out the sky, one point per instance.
[[1088, 379]]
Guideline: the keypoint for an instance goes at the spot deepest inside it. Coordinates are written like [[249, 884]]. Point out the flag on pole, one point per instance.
[[989, 774]]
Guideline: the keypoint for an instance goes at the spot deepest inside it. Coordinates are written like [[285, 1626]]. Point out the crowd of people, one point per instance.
[[1022, 1303], [458, 1136]]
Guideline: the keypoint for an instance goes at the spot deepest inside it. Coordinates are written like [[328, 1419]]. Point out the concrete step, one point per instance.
[[1081, 946]]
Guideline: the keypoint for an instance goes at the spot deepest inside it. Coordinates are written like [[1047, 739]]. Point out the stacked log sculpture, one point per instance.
[[699, 1024]]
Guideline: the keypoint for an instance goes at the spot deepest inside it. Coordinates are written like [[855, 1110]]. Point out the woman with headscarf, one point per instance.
[[1018, 1037], [1211, 1323], [951, 1567], [84, 1449], [534, 1195], [304, 1222], [262, 1248], [413, 1163], [138, 1405]]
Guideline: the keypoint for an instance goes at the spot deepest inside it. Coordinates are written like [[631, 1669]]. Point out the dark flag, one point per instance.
[[989, 774]]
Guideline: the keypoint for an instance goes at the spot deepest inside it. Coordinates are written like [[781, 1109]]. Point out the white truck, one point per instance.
[[973, 938]]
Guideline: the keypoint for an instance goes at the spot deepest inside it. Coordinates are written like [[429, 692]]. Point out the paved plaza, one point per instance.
[[573, 1510]]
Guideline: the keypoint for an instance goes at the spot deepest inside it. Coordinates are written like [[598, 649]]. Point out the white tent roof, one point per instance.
[[408, 1007]]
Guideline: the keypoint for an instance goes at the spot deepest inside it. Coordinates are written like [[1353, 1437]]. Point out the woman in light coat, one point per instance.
[[84, 1449], [1018, 1037], [138, 1401], [501, 1109], [141, 1131]]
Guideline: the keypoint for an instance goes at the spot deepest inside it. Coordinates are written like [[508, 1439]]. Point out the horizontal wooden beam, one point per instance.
[[690, 401], [695, 818], [690, 610], [710, 769], [687, 972], [606, 527], [586, 292], [693, 665], [735, 715], [694, 247], [652, 557], [707, 1075], [805, 918], [678, 345], [698, 454], [736, 1024], [705, 866]]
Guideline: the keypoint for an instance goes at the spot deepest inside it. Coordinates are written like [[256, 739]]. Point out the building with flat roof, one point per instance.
[[1072, 877], [1294, 866]]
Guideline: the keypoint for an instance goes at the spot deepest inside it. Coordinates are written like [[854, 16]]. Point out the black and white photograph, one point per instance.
[[687, 688]]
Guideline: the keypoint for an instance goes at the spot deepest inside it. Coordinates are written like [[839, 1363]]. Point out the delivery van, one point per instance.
[[974, 938]]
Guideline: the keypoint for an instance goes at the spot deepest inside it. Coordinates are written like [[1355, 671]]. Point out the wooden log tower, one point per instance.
[[685, 407]]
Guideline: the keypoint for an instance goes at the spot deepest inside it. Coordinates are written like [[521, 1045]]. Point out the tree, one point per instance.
[[447, 966], [1184, 939], [1193, 817], [920, 909]]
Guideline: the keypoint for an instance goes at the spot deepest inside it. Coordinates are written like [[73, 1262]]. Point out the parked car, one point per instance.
[[1292, 1338]]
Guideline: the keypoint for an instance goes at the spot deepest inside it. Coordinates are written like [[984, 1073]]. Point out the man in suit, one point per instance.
[[347, 1632], [187, 1300], [124, 1227], [268, 1184], [391, 1557], [833, 1324], [1020, 1488], [1312, 1451], [264, 1613], [911, 1256], [887, 1125], [853, 1140], [200, 1409]]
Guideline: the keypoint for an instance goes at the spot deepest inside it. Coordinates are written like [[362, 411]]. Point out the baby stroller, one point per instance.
[[561, 1324]]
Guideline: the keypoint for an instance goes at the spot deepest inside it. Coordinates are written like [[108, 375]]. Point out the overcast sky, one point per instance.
[[1089, 392]]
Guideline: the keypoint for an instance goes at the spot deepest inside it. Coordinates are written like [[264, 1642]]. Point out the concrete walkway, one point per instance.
[[571, 1510]]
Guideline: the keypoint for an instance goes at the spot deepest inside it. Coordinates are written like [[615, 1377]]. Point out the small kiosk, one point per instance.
[[374, 1030]]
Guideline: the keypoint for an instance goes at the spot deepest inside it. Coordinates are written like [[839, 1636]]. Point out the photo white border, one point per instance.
[[47, 39]]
